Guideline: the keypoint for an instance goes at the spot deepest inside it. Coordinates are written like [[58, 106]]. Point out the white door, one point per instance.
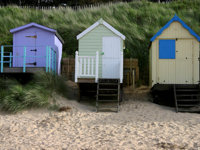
[[111, 57]]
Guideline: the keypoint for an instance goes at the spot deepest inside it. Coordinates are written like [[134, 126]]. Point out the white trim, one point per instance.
[[101, 21], [113, 30], [97, 67], [121, 66], [76, 67], [87, 30]]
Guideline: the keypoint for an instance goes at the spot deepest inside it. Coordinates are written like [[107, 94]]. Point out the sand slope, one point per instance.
[[139, 125]]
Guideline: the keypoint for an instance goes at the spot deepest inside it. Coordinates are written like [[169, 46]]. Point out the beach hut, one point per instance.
[[99, 60], [36, 46], [100, 53], [174, 56]]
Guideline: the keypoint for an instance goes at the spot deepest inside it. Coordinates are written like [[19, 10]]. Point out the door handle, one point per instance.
[[35, 63], [34, 50]]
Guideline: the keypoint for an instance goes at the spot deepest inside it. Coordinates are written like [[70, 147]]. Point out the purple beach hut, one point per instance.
[[34, 46]]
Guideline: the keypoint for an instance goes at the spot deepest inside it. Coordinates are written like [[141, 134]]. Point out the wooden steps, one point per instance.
[[108, 95], [187, 98]]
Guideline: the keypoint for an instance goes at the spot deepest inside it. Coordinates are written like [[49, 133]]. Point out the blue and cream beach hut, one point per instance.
[[174, 54], [174, 66]]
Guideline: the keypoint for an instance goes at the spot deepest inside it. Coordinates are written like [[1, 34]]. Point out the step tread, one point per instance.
[[189, 90], [188, 110], [101, 89], [179, 95], [107, 94], [105, 107], [188, 100], [107, 101], [108, 83], [187, 105]]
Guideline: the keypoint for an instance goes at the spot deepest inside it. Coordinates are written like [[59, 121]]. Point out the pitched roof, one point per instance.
[[100, 22], [175, 18], [38, 26]]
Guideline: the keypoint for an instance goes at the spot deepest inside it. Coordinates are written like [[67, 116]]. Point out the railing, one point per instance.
[[22, 59], [50, 59], [86, 66]]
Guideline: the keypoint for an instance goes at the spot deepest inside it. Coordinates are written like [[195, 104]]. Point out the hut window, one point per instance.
[[166, 49]]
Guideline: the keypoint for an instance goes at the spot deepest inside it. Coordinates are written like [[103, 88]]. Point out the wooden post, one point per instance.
[[24, 64], [76, 67], [2, 49], [55, 62], [47, 58], [133, 79], [84, 66], [121, 67], [97, 67], [10, 64]]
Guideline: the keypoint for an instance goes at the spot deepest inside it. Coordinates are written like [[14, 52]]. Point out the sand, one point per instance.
[[140, 125]]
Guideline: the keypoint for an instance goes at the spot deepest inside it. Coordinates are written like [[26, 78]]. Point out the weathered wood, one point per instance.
[[175, 98], [86, 80], [20, 69], [129, 65], [108, 93], [187, 99]]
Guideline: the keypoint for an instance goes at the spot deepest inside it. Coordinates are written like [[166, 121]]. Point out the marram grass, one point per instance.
[[15, 97]]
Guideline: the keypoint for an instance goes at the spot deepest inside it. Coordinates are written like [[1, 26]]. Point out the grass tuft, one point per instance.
[[15, 97]]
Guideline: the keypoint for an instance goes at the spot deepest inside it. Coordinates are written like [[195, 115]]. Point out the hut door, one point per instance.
[[184, 67], [111, 57], [31, 50]]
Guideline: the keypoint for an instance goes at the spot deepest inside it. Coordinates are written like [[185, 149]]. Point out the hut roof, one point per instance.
[[38, 26], [175, 18], [100, 22]]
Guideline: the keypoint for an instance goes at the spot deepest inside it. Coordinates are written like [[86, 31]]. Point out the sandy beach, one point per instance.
[[140, 124]]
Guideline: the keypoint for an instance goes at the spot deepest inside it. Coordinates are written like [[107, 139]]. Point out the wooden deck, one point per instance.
[[20, 69], [86, 80]]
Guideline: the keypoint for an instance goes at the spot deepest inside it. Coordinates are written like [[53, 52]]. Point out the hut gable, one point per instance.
[[96, 24], [92, 42], [32, 25], [175, 28], [37, 27]]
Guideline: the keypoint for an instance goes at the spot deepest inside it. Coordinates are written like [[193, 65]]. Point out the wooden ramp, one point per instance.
[[187, 98], [108, 95]]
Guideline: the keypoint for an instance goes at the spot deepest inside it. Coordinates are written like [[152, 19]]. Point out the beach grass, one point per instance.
[[38, 92]]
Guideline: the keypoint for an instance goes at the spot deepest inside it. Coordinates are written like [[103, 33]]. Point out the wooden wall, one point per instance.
[[130, 65], [68, 68]]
